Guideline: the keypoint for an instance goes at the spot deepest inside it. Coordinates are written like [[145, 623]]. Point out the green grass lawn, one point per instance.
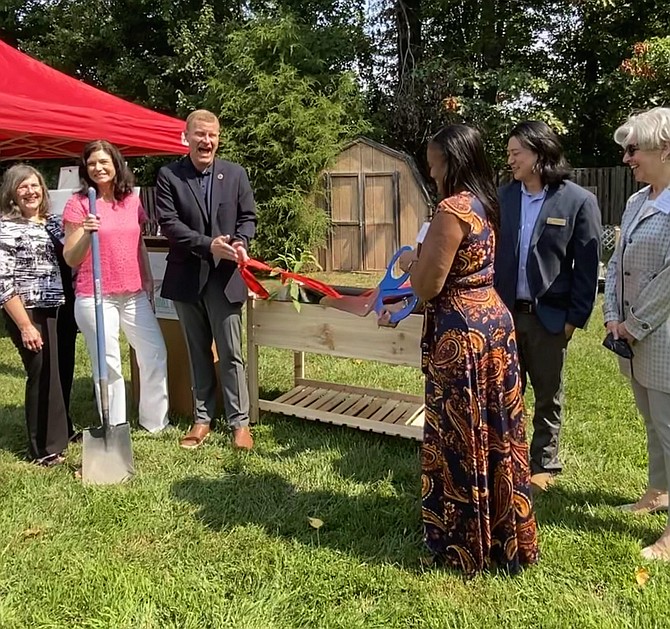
[[216, 539]]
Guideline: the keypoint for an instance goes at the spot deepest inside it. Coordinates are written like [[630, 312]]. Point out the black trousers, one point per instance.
[[67, 340], [46, 417], [542, 357]]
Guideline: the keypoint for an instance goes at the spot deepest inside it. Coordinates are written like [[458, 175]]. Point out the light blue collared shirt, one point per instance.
[[662, 201], [531, 204]]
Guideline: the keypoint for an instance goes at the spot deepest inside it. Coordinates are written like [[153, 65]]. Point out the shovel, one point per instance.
[[107, 454]]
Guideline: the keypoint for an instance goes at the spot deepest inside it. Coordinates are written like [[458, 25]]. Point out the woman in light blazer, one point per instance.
[[637, 300]]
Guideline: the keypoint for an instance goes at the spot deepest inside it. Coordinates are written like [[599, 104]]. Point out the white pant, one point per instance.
[[132, 313]]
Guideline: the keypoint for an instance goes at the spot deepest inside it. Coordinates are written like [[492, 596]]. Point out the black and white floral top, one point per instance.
[[28, 263]]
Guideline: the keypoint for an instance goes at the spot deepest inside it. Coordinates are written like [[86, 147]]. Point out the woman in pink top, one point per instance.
[[127, 284]]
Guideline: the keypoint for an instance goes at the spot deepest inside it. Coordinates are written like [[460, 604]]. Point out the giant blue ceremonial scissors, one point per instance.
[[391, 289]]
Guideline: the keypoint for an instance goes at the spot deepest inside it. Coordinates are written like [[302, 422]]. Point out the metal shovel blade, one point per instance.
[[107, 456]]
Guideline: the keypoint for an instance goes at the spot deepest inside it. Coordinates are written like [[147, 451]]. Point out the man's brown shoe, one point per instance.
[[195, 437], [242, 439], [539, 483]]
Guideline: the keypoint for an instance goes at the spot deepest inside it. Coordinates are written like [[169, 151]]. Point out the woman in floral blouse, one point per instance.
[[31, 291]]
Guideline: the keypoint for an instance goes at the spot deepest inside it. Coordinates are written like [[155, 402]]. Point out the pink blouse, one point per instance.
[[119, 237]]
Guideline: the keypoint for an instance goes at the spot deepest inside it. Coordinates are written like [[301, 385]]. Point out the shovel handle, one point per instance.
[[103, 376]]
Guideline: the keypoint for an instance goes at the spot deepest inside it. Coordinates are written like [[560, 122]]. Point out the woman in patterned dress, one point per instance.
[[476, 504], [31, 291]]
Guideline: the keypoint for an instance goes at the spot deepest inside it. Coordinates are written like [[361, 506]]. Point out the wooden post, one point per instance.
[[252, 365], [298, 367]]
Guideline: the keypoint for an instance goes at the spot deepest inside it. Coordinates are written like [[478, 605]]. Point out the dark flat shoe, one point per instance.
[[50, 461]]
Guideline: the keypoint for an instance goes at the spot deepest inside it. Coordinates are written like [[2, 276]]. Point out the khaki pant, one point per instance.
[[654, 406]]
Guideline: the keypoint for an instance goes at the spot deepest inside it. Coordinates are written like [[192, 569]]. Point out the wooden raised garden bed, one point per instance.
[[320, 330]]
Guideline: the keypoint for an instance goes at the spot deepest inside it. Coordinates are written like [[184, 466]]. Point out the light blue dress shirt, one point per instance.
[[531, 204]]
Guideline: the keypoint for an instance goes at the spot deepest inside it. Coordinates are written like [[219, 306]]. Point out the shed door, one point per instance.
[[380, 220], [345, 213], [365, 222]]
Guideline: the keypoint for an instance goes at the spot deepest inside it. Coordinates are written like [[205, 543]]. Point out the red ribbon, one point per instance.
[[256, 287]]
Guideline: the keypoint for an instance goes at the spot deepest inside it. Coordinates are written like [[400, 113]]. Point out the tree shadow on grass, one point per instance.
[[372, 457], [369, 526], [365, 457], [13, 430], [594, 510], [83, 410], [269, 393], [13, 437]]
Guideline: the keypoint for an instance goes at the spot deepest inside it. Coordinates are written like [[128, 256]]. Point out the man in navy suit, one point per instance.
[[206, 209], [546, 272]]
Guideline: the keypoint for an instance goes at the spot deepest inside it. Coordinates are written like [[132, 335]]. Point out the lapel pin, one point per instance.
[[219, 176]]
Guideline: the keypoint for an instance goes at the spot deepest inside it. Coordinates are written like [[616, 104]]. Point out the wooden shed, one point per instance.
[[377, 201]]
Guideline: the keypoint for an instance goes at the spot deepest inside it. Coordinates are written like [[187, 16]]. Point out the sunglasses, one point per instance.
[[631, 149]]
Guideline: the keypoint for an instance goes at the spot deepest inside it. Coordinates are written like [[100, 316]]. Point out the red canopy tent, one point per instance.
[[47, 114]]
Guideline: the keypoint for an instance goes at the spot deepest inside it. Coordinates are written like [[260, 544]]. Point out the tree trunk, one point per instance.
[[408, 20], [492, 42]]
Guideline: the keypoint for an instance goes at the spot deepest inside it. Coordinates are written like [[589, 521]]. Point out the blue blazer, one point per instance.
[[563, 258], [190, 229]]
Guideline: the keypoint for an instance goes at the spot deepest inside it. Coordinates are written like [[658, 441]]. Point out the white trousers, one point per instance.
[[654, 406], [132, 313]]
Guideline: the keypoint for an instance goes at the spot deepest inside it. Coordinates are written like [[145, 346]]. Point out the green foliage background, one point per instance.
[[284, 127]]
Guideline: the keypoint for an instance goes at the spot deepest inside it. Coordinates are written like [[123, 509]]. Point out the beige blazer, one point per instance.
[[637, 288]]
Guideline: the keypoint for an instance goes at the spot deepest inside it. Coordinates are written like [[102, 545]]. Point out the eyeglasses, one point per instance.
[[631, 149], [26, 187]]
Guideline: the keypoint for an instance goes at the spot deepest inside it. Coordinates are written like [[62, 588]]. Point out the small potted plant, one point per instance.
[[292, 290]]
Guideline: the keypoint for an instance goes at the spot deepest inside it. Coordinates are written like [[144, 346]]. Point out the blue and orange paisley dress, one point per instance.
[[476, 502]]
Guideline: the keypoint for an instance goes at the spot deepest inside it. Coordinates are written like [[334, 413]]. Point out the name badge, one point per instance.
[[561, 222], [420, 237]]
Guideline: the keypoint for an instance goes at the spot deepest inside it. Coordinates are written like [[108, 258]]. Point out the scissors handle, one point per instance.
[[390, 282], [391, 287], [399, 315]]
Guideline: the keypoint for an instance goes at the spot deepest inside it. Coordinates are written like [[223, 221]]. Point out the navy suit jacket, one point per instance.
[[190, 229], [563, 258]]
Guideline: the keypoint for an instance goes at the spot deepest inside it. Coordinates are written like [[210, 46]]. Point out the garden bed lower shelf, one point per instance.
[[327, 331], [375, 410]]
